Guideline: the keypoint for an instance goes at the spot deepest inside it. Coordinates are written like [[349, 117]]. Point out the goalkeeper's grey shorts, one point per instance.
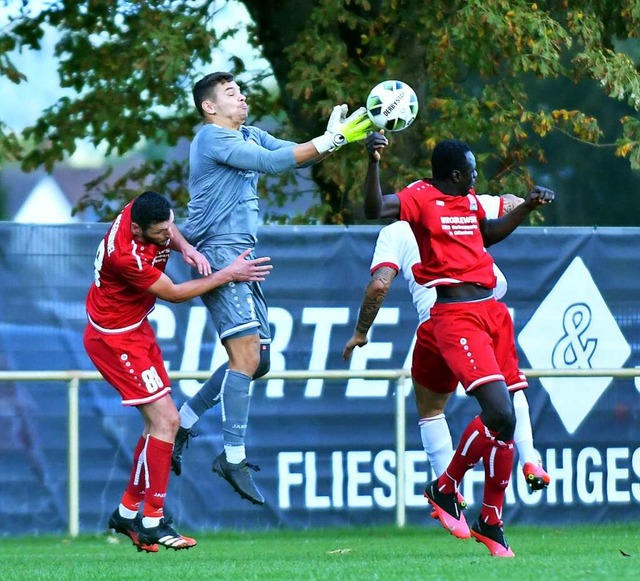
[[236, 308]]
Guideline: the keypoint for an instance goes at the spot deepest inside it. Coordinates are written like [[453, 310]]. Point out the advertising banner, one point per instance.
[[326, 448]]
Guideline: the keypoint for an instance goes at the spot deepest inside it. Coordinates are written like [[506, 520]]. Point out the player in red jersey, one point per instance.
[[129, 277], [396, 251], [474, 331]]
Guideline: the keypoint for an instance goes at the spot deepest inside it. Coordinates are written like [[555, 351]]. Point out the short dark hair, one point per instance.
[[203, 89], [449, 155], [150, 208]]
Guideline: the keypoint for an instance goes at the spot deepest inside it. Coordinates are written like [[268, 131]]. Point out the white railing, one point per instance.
[[73, 379]]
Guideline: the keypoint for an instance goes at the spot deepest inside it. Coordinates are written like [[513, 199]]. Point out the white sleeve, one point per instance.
[[492, 205], [386, 252], [501, 284], [397, 247]]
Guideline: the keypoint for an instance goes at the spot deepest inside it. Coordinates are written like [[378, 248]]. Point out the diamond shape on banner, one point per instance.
[[574, 329]]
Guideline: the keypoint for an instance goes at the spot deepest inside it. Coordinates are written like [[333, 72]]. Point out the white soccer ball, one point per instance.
[[392, 105]]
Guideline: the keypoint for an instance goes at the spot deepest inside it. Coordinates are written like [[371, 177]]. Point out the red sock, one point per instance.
[[473, 442], [498, 463], [158, 465], [134, 493]]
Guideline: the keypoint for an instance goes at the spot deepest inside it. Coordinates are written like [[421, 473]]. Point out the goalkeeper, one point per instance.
[[226, 159]]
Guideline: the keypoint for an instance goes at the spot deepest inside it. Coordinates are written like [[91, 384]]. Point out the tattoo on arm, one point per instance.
[[368, 312], [510, 202], [374, 297]]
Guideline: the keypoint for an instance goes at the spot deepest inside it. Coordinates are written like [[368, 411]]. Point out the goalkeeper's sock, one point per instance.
[[235, 407], [235, 454], [207, 397], [187, 416]]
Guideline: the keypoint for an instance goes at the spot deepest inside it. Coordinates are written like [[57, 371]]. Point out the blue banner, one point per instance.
[[325, 447]]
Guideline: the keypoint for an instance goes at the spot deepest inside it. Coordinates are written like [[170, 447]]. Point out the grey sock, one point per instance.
[[235, 400], [209, 394]]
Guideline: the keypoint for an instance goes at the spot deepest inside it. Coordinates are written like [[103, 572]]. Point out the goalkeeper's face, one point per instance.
[[228, 105]]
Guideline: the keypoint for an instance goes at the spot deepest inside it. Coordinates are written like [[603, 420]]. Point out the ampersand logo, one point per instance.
[[574, 329], [572, 351]]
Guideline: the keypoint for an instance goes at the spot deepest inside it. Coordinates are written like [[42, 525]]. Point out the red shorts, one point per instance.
[[476, 339], [131, 362], [428, 367]]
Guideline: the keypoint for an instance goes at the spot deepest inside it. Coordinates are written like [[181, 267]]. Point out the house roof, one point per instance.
[[18, 185]]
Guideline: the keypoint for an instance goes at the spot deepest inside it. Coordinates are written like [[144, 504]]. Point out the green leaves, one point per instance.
[[10, 149], [499, 75], [629, 144]]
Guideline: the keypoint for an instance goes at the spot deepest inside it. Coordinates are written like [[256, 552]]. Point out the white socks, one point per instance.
[[127, 512], [436, 439], [234, 454], [523, 435], [149, 522]]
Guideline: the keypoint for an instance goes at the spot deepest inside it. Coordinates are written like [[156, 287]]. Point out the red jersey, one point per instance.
[[124, 270], [448, 234]]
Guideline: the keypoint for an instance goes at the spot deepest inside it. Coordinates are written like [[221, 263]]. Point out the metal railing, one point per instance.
[[73, 379]]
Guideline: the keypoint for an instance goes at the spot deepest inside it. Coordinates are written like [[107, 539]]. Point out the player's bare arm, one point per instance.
[[375, 204], [240, 270], [374, 296], [189, 254], [494, 231], [510, 202]]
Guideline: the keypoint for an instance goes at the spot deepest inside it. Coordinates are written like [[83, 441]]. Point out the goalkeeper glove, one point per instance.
[[337, 118], [342, 130]]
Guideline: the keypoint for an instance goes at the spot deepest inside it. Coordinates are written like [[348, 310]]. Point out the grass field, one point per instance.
[[542, 554]]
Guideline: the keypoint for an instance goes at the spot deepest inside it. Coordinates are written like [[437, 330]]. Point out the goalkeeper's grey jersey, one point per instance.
[[223, 178]]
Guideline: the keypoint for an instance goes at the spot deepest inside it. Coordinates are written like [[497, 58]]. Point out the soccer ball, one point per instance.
[[392, 105]]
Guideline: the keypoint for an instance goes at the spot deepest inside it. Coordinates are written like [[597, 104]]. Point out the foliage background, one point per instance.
[[544, 92]]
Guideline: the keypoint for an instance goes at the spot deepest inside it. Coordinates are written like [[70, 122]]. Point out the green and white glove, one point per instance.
[[341, 130], [338, 117]]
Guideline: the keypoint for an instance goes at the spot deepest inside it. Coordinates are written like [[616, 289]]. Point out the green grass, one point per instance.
[[542, 554]]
